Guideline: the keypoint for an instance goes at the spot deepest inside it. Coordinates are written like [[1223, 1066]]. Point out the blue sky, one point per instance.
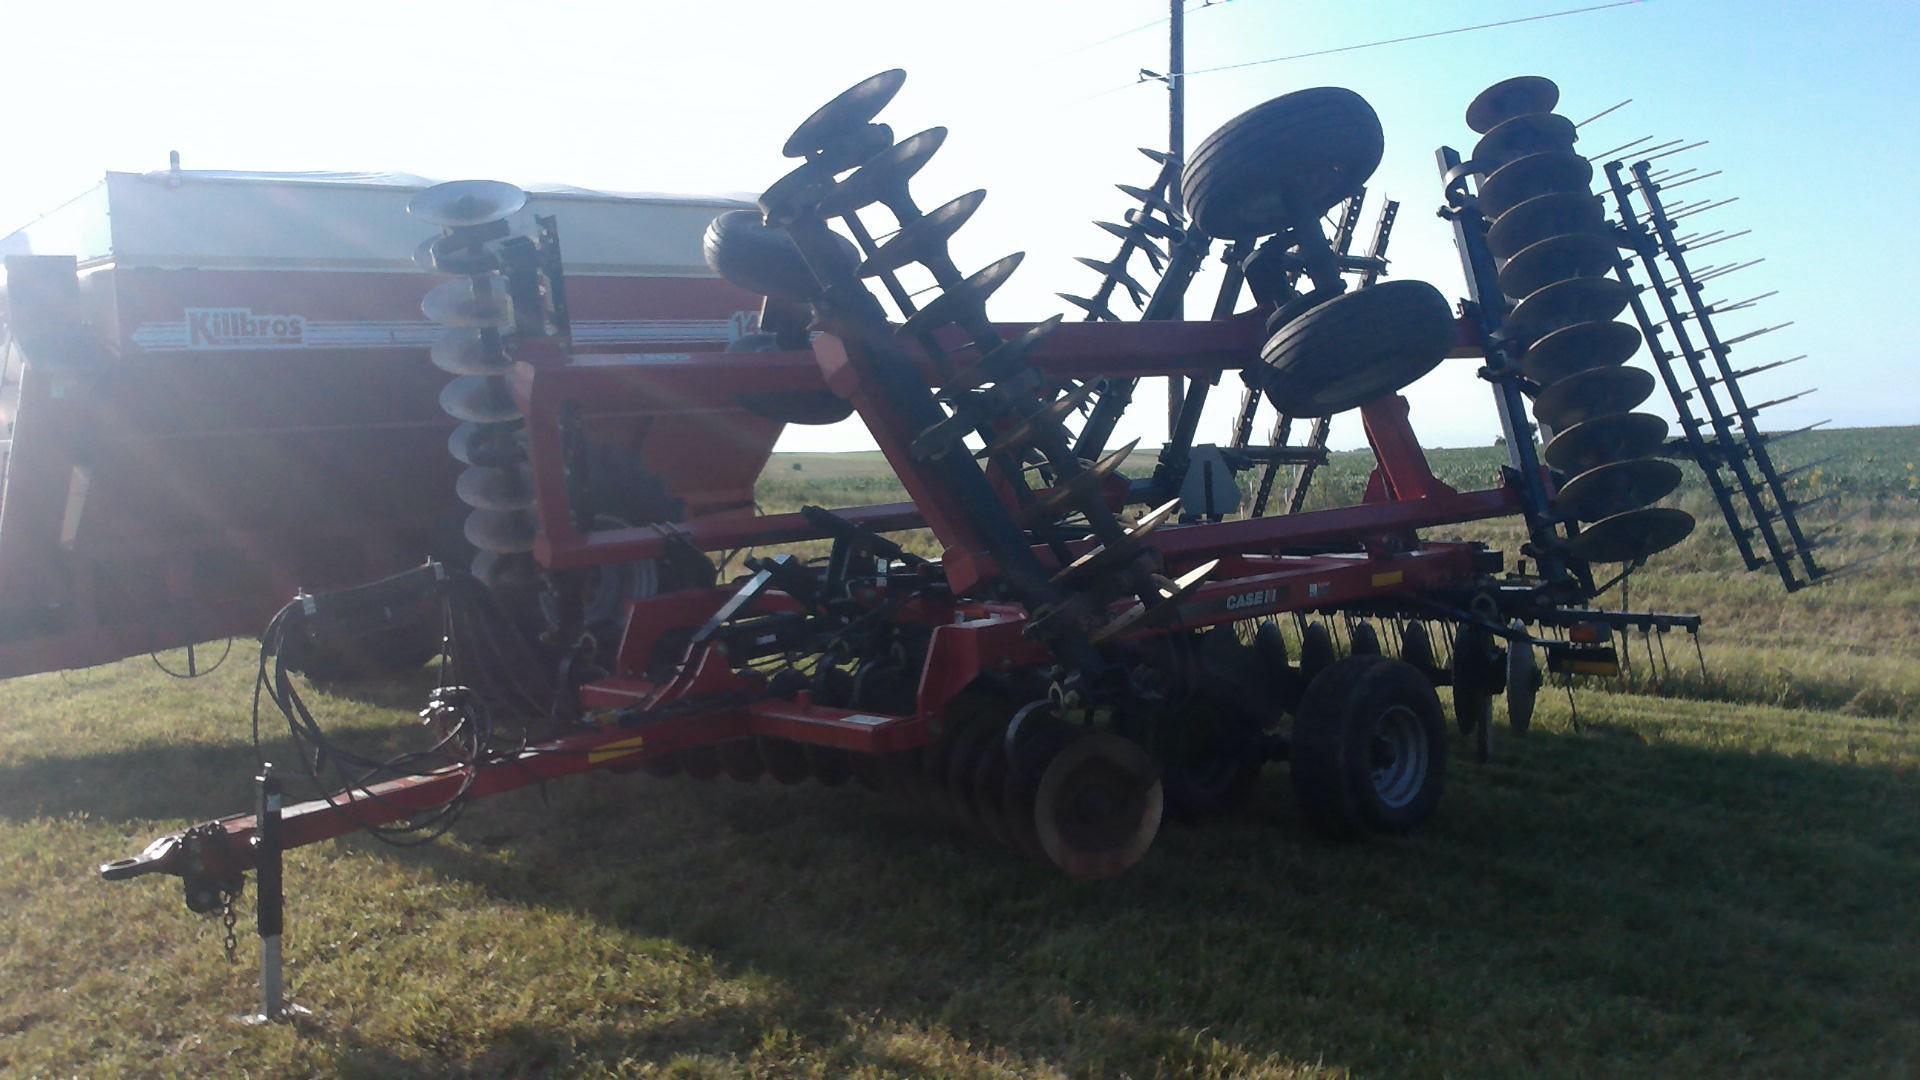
[[1810, 110]]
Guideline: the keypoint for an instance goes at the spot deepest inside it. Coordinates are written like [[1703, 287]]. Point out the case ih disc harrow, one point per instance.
[[1088, 653]]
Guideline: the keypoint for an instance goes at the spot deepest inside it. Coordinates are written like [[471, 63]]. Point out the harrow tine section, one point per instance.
[[1094, 308]]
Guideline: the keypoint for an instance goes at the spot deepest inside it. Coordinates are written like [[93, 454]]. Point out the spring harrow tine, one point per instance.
[[1023, 433], [1077, 490], [1156, 255], [1104, 558], [1094, 308], [1118, 273], [1151, 200], [1144, 615]]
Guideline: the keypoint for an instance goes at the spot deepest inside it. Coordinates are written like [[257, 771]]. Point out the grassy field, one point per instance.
[[1713, 875]]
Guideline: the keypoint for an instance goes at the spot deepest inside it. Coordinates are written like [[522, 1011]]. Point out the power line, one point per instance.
[[1162, 21], [1413, 37], [1362, 45]]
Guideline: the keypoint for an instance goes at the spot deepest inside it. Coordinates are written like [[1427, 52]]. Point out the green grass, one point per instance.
[[1699, 882]]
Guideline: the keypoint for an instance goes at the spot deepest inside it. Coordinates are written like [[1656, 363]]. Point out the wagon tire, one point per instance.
[[1357, 347], [1282, 162], [1369, 749]]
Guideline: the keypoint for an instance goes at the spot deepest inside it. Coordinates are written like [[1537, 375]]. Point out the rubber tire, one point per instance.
[[1332, 740], [742, 248], [1357, 347], [1281, 162]]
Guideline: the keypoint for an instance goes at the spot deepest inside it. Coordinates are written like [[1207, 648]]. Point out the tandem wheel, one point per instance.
[[1369, 748]]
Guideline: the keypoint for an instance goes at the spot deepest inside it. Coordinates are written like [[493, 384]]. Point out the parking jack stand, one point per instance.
[[270, 913]]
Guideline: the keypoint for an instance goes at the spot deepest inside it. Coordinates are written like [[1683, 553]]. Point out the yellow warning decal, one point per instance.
[[613, 750], [1391, 577]]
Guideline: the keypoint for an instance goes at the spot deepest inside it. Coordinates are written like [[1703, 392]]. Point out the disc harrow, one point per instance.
[[1090, 652]]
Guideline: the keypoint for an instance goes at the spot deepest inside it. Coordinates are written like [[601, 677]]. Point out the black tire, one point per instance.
[[1282, 162], [1344, 787], [742, 248], [1357, 347]]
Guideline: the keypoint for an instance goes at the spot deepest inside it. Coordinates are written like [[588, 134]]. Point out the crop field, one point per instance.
[[1682, 873]]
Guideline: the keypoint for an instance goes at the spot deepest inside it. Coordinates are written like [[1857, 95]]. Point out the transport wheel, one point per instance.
[[1316, 653], [1369, 748], [1281, 162], [1097, 807], [1356, 347], [742, 248]]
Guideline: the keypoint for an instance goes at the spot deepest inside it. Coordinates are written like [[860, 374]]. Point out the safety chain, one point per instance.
[[229, 918]]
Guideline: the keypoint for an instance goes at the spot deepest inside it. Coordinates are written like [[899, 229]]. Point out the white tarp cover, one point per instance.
[[210, 219]]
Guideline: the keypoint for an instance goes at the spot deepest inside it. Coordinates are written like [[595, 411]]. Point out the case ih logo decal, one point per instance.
[[1256, 598], [240, 328]]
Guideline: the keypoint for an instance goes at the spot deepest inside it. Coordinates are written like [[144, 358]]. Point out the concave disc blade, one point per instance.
[[1566, 303], [491, 445], [1595, 392], [1569, 255], [1098, 806], [481, 400], [1615, 437], [1542, 216], [848, 111], [1616, 487], [1632, 536], [470, 350], [1528, 133], [488, 488], [925, 235], [503, 573], [1534, 175], [951, 304], [888, 170], [503, 532], [469, 302], [1577, 348], [1509, 98], [460, 203]]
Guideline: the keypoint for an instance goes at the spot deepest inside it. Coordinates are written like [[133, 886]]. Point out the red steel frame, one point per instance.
[[1255, 575]]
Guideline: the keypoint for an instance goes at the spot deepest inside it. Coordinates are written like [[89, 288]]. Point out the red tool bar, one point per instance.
[[1326, 581]]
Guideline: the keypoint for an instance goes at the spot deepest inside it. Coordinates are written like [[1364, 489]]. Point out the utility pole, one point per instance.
[[1176, 146]]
